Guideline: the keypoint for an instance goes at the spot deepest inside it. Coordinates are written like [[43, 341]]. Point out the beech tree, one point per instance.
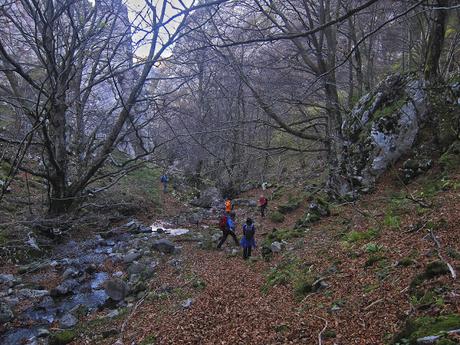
[[57, 60]]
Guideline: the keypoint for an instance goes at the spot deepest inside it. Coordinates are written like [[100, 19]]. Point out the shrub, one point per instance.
[[277, 217], [357, 236]]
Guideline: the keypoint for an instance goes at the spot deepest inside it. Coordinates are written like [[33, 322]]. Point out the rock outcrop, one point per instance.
[[382, 127]]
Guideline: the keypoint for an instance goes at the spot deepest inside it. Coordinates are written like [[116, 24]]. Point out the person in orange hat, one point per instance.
[[228, 205]]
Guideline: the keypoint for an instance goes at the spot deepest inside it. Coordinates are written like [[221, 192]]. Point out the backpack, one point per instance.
[[249, 231], [223, 222]]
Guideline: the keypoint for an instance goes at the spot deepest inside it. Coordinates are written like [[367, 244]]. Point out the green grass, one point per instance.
[[392, 221], [277, 217], [291, 271], [373, 259], [359, 236], [373, 247]]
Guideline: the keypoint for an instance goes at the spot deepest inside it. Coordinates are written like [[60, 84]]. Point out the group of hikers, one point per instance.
[[228, 227], [227, 222]]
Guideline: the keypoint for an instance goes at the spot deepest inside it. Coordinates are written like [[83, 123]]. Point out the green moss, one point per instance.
[[282, 328], [278, 193], [277, 217], [427, 298], [453, 253], [291, 271], [358, 236], [406, 262], [432, 270], [280, 235], [303, 283], [427, 326], [450, 160], [446, 342], [392, 221], [290, 206], [389, 109], [371, 287], [62, 337], [373, 247], [149, 340], [373, 259], [329, 333], [436, 268]]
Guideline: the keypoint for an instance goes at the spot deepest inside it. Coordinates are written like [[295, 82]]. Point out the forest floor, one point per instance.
[[354, 277], [367, 254]]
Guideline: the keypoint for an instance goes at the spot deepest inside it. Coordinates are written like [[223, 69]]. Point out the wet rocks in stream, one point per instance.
[[83, 283]]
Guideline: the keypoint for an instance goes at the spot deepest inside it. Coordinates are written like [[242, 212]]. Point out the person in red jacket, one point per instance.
[[263, 202]]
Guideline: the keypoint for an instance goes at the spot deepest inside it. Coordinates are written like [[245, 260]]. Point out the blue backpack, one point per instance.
[[249, 232]]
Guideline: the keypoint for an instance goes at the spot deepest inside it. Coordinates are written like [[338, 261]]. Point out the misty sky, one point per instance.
[[134, 6]]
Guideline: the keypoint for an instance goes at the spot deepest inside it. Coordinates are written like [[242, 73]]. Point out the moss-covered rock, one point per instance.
[[290, 206], [280, 235], [62, 337], [427, 326], [432, 270]]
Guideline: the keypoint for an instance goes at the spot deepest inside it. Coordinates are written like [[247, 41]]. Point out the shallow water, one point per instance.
[[167, 229]]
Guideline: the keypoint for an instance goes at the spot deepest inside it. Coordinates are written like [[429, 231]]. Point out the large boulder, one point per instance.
[[116, 289], [164, 246], [382, 127], [208, 198]]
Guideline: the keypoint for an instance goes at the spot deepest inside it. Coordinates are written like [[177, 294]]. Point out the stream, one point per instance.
[[81, 271]]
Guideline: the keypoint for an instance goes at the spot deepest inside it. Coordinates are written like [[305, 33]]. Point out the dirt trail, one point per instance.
[[231, 308]]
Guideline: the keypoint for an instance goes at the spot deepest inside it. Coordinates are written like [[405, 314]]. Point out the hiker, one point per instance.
[[165, 179], [263, 202], [248, 241], [227, 225], [228, 205]]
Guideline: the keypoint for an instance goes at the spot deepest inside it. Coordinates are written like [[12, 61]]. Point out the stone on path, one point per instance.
[[164, 246], [68, 321], [116, 289]]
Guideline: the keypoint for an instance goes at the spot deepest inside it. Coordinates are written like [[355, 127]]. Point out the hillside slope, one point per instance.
[[355, 277]]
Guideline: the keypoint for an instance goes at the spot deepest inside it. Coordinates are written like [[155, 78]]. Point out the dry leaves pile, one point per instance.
[[362, 305]]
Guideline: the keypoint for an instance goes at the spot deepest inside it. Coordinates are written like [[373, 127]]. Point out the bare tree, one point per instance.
[[57, 58]]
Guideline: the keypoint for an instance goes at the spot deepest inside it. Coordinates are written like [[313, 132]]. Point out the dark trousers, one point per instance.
[[247, 252], [227, 232], [262, 210]]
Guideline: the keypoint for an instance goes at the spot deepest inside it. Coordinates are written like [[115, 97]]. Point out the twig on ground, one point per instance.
[[320, 334], [438, 249], [374, 303]]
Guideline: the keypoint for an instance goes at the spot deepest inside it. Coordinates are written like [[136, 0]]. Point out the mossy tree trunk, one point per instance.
[[436, 40]]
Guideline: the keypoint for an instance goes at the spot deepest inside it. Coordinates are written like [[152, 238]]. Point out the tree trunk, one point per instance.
[[436, 41]]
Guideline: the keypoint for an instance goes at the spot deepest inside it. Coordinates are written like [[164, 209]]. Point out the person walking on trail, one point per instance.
[[263, 202], [248, 240], [227, 225], [165, 179], [228, 205]]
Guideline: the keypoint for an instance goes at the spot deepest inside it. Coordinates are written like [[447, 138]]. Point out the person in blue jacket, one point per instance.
[[165, 179], [229, 230], [248, 241]]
